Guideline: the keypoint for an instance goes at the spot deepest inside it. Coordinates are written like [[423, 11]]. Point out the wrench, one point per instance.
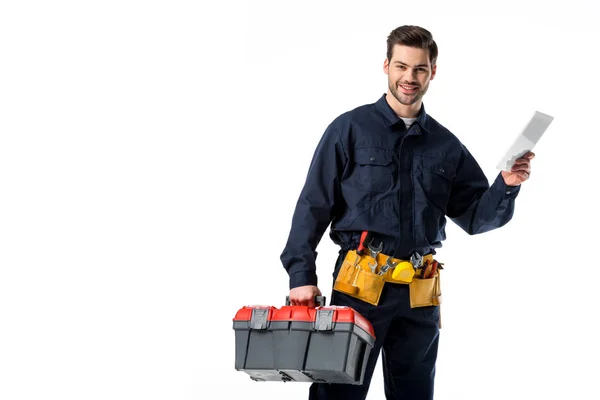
[[373, 266], [388, 264], [374, 251], [416, 260]]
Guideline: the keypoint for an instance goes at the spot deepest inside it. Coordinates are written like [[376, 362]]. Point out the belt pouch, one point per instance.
[[425, 292], [358, 281]]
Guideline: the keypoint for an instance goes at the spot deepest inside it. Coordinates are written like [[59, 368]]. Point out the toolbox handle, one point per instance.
[[319, 301]]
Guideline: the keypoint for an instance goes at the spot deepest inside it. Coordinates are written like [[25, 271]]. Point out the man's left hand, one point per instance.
[[520, 171]]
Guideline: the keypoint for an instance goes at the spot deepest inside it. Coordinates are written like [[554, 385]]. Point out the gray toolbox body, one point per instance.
[[328, 344]]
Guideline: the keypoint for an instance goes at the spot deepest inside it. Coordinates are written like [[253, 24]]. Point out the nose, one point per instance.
[[412, 73]]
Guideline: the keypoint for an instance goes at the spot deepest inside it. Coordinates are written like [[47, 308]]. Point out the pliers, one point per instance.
[[430, 269]]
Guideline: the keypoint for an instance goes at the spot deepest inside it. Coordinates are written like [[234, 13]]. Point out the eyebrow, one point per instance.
[[420, 65]]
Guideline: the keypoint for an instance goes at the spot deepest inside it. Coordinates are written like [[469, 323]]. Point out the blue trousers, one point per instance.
[[406, 337]]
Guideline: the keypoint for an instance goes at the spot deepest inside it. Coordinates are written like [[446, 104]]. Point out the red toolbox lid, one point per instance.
[[341, 314]]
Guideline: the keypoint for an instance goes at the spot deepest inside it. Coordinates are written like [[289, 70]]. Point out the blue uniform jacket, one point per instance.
[[369, 172]]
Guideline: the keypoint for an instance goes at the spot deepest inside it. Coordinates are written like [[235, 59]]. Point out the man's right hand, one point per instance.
[[304, 295]]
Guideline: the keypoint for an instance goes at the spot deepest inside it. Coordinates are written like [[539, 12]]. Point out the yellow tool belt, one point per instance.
[[363, 277]]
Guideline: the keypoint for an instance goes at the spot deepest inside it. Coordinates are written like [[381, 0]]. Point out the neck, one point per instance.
[[402, 110]]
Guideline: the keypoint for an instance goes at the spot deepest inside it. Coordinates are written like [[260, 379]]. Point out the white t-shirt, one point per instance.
[[408, 121]]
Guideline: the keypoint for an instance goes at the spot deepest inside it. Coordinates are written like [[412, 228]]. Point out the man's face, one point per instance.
[[409, 72]]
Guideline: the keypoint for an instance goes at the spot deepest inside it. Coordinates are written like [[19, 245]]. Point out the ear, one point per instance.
[[433, 71], [386, 66]]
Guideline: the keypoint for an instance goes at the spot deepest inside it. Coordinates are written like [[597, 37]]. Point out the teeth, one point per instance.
[[409, 87]]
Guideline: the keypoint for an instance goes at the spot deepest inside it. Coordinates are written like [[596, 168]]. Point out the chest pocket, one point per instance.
[[438, 176], [373, 169]]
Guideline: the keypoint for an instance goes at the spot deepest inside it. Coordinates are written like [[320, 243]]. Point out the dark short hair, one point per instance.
[[412, 36]]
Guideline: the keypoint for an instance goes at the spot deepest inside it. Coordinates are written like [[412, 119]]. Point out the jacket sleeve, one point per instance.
[[474, 205], [314, 209]]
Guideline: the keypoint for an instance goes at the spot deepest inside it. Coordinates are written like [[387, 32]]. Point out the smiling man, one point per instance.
[[409, 71], [390, 169]]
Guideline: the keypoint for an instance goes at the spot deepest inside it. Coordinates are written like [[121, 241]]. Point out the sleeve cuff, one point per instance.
[[303, 278], [502, 188]]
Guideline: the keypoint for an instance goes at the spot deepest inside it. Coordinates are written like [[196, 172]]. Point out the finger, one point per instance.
[[521, 168], [302, 302], [526, 156], [522, 161], [524, 175]]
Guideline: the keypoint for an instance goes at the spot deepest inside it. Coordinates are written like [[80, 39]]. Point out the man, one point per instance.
[[392, 170]]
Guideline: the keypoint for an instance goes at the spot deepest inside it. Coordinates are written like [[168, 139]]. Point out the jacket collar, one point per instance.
[[390, 118]]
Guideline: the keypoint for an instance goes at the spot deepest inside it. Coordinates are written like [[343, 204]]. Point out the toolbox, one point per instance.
[[329, 344]]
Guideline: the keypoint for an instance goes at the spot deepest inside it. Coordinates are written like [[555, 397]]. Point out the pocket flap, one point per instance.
[[440, 167], [373, 156]]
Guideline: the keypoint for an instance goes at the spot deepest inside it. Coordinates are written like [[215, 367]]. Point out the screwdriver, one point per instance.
[[360, 251], [364, 238]]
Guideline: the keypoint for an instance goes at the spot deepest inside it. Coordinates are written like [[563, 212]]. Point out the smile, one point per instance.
[[408, 89]]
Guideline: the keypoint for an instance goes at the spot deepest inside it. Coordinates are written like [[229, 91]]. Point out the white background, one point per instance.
[[151, 154]]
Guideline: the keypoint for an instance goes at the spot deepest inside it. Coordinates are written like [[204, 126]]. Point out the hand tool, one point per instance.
[[427, 268], [373, 266], [388, 264], [360, 251], [364, 238], [416, 260], [434, 268], [374, 251], [405, 270]]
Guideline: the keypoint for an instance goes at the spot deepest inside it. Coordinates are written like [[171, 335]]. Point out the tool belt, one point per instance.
[[363, 277]]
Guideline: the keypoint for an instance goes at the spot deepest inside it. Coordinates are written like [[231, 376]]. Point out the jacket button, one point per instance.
[[442, 170], [372, 158]]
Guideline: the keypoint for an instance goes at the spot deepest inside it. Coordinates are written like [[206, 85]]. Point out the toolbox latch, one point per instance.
[[260, 318], [324, 320]]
